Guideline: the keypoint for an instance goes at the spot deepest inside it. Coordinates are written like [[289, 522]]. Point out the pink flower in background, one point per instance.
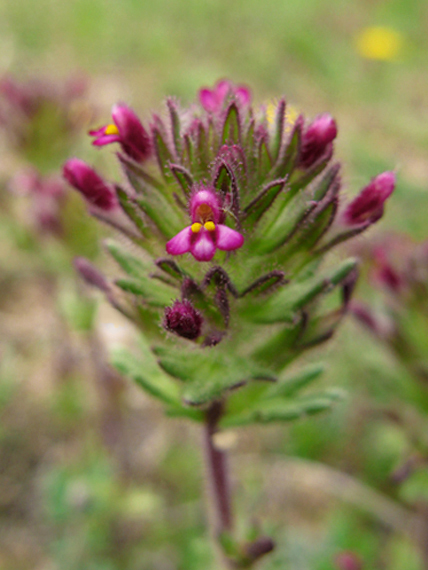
[[212, 100], [206, 234], [126, 130], [89, 183], [368, 206]]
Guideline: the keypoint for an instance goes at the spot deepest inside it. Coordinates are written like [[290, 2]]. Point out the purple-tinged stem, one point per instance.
[[216, 475]]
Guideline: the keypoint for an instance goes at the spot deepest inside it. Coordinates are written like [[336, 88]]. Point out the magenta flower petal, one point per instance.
[[97, 132], [317, 139], [243, 95], [181, 243], [106, 139], [89, 183], [133, 137], [221, 90], [228, 239], [369, 204], [208, 100], [203, 248]]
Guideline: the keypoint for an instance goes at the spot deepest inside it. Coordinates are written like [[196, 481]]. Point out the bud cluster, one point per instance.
[[233, 211]]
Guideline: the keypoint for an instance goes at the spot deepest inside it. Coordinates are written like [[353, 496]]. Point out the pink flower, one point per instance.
[[212, 100], [368, 206], [206, 234], [128, 131], [84, 179], [317, 139]]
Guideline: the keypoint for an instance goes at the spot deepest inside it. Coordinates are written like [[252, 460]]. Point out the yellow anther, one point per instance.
[[196, 227], [111, 130], [210, 226]]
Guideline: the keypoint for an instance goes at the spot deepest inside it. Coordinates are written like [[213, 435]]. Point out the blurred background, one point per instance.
[[92, 476]]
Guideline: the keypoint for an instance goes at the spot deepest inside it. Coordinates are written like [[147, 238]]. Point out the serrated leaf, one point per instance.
[[209, 373], [146, 372]]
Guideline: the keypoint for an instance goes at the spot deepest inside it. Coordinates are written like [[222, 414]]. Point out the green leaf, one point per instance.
[[279, 129], [255, 209], [159, 210], [129, 207], [293, 384], [162, 151], [290, 153], [232, 125], [183, 177], [279, 410], [146, 372], [290, 218], [156, 293], [175, 125], [208, 373], [131, 265], [137, 175], [282, 306]]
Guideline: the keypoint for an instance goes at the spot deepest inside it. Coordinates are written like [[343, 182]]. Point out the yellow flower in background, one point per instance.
[[379, 42]]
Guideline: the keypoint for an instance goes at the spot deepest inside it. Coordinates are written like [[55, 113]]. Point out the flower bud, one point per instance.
[[84, 179], [183, 320], [90, 274], [368, 206], [317, 140], [128, 131]]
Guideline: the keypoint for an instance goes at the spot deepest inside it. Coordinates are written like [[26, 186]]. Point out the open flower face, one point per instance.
[[205, 235]]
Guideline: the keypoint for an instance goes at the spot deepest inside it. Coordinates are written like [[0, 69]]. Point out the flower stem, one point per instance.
[[217, 476]]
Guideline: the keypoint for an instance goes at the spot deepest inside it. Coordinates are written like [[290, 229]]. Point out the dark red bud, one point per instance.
[[317, 139], [84, 179], [369, 204], [183, 320]]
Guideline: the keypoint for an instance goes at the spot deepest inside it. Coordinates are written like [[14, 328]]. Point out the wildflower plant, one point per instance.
[[232, 213]]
